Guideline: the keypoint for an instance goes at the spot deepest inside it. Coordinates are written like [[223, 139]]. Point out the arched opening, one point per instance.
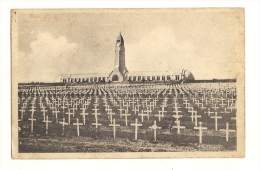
[[115, 78]]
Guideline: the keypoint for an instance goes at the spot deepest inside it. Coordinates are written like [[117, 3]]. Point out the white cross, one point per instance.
[[209, 112], [47, 121], [148, 111], [154, 127], [192, 111], [22, 112], [212, 99], [162, 111], [69, 113], [96, 123], [126, 114], [55, 111], [106, 106], [77, 124], [63, 123], [202, 106], [227, 131], [216, 117], [215, 107], [73, 110], [136, 126], [225, 111], [186, 103], [32, 110], [83, 114], [177, 111], [135, 110], [200, 131], [120, 111], [114, 127], [110, 115], [222, 102], [32, 119], [44, 111], [196, 117], [63, 108], [96, 113], [231, 107], [159, 115], [177, 117], [142, 115], [178, 127]]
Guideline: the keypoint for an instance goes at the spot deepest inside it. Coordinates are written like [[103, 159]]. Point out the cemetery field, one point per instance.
[[122, 118], [89, 142]]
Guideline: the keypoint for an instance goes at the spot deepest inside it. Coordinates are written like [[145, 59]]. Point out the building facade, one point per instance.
[[121, 74]]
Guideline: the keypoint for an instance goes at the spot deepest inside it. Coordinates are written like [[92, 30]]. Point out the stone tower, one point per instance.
[[120, 71]]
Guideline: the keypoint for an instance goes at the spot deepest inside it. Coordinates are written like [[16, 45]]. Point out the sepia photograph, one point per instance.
[[128, 83]]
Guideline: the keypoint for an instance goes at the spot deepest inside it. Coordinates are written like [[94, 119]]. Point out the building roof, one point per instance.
[[155, 73], [85, 75]]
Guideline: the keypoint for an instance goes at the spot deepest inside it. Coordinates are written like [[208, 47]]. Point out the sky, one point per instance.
[[53, 43]]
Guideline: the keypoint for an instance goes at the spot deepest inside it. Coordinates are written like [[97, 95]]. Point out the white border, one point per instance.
[[252, 92]]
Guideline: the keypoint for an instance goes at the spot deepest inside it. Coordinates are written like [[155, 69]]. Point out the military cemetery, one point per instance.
[[69, 105], [122, 118]]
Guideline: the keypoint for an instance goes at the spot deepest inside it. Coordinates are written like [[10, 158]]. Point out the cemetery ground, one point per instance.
[[185, 118], [215, 141]]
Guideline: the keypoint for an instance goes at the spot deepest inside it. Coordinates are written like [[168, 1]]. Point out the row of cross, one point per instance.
[[193, 101]]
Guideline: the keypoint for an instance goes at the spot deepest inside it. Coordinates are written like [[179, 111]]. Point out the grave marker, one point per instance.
[[114, 127], [178, 127], [216, 117], [47, 121], [77, 124], [32, 119], [63, 123], [110, 115], [154, 127], [227, 131], [159, 115], [69, 113], [83, 114], [200, 128], [142, 115], [96, 124], [126, 114], [136, 127]]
